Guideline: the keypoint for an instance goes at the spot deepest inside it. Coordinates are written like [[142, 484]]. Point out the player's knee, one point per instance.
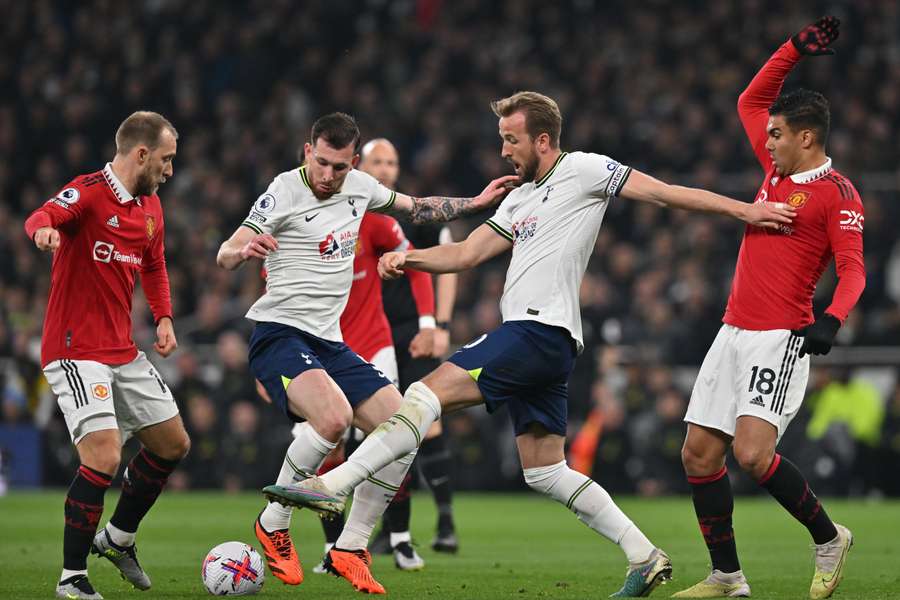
[[697, 462], [332, 424], [420, 399], [753, 459], [543, 479], [179, 448]]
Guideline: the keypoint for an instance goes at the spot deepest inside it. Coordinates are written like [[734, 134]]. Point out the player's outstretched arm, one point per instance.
[[641, 186], [244, 244], [438, 209], [481, 245]]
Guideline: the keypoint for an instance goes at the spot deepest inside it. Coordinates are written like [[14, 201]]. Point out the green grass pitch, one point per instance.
[[518, 546]]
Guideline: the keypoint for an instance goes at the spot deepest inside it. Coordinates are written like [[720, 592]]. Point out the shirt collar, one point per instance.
[[115, 184], [812, 174]]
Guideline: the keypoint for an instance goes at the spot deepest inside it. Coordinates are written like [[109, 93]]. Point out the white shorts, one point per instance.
[[94, 396], [385, 360], [756, 373]]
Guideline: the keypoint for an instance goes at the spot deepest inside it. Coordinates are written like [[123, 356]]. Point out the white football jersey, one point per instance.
[[310, 275], [553, 225]]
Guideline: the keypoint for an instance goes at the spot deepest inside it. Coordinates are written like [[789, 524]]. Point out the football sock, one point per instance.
[[435, 463], [787, 485], [400, 537], [592, 505], [84, 505], [398, 436], [303, 458], [714, 505], [143, 481], [332, 529], [369, 502], [397, 515], [120, 538]]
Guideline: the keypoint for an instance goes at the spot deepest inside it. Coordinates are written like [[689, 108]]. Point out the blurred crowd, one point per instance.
[[652, 84]]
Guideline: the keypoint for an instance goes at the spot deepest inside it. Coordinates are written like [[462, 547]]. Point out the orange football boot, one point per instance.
[[353, 565], [280, 554]]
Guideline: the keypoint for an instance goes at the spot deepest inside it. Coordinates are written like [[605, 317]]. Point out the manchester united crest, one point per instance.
[[797, 198], [151, 226]]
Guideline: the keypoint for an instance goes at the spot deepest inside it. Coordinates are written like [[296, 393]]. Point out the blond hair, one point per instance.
[[541, 113], [142, 127]]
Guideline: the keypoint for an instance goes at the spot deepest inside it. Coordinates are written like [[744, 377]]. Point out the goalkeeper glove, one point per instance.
[[819, 337], [814, 39]]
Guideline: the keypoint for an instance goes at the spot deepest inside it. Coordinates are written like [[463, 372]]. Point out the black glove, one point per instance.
[[814, 39], [819, 336]]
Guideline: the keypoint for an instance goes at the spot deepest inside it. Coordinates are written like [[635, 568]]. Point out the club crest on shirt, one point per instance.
[[797, 198], [151, 226]]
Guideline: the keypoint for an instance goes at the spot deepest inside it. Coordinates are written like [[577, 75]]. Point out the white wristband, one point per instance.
[[427, 322]]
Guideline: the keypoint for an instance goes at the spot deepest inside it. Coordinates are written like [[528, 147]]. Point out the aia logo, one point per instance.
[[852, 220], [103, 252], [329, 247]]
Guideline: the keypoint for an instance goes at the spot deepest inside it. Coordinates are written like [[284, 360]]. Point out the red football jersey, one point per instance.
[[106, 238], [777, 271], [364, 325]]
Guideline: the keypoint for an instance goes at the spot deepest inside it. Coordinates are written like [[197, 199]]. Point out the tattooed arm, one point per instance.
[[437, 209]]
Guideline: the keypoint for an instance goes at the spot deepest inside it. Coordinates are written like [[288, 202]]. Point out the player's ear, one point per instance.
[[142, 153], [807, 138], [354, 162]]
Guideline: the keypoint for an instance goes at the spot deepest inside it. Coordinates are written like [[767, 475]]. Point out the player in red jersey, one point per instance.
[[752, 381], [104, 229]]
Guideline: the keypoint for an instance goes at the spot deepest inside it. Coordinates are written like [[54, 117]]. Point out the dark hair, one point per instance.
[[142, 127], [541, 113], [338, 129], [804, 109]]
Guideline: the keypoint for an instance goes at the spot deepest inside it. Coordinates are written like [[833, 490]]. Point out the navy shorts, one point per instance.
[[525, 365], [278, 353]]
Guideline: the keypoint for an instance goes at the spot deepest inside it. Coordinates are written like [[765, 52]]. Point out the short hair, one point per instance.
[[804, 109], [541, 113], [142, 127], [338, 129]]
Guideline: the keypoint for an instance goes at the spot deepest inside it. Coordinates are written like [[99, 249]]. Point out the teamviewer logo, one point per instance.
[[103, 252]]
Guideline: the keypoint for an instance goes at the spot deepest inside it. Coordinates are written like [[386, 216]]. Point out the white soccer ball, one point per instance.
[[233, 569]]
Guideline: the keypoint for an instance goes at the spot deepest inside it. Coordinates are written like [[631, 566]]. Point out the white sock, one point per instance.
[[396, 437], [328, 546], [593, 506], [303, 458], [399, 538], [119, 537], [370, 500], [67, 573]]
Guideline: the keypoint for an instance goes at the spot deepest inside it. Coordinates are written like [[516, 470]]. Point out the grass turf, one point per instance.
[[512, 546]]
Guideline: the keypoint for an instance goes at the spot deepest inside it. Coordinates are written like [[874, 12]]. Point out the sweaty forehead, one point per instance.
[[775, 122]]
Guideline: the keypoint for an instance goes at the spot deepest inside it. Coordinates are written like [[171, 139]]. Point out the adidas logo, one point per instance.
[[758, 401], [113, 221]]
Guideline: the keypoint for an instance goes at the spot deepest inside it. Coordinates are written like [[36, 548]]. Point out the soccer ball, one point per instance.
[[233, 569]]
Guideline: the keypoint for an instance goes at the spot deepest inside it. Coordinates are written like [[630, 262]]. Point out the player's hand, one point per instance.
[[46, 239], [390, 265], [819, 337], [259, 247], [814, 39], [261, 390], [496, 191], [441, 343], [165, 337], [771, 215], [422, 346]]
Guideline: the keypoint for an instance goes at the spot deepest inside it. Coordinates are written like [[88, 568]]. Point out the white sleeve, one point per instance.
[[270, 209], [601, 176], [445, 236], [501, 222], [382, 199]]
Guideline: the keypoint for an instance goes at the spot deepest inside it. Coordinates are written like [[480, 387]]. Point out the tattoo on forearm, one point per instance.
[[437, 209]]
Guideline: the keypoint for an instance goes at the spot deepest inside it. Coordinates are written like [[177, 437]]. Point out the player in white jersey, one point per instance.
[[305, 227], [551, 223]]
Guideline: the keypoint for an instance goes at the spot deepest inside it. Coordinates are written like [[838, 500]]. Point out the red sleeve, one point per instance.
[[845, 228], [388, 236], [422, 290], [155, 276], [754, 102], [66, 207]]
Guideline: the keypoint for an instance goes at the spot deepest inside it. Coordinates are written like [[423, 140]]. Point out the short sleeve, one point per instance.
[[599, 175], [381, 198], [501, 222], [387, 235], [270, 209]]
